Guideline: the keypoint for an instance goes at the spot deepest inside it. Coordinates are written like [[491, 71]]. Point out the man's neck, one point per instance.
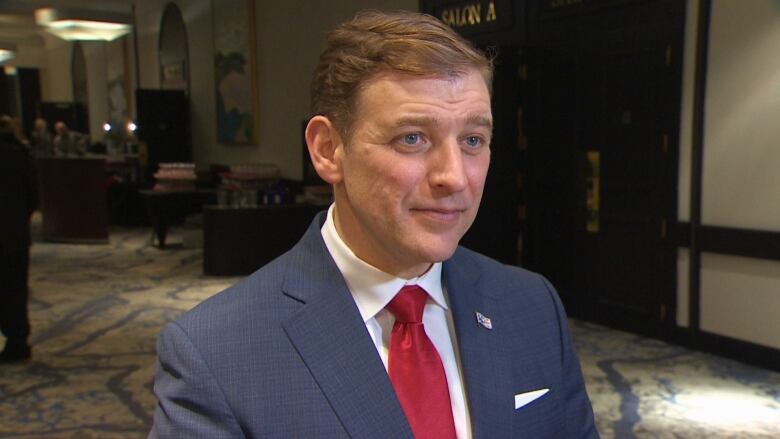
[[399, 270]]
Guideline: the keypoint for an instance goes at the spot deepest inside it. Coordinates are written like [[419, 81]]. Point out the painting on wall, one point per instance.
[[234, 71], [173, 76]]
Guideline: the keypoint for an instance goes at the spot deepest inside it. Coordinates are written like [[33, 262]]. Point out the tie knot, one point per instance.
[[407, 306]]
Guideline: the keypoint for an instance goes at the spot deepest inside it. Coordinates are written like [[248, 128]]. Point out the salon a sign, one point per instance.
[[477, 16]]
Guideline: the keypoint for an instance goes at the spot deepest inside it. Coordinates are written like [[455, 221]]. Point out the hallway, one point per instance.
[[96, 311]]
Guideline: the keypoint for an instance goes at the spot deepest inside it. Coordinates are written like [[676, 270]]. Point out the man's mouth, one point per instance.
[[440, 214]]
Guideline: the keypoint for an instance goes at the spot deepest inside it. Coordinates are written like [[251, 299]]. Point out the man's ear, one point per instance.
[[323, 140]]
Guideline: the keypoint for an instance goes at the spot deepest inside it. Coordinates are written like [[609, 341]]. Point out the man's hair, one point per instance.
[[6, 124], [375, 42]]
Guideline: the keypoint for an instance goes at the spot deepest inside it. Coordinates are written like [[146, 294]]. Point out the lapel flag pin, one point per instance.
[[484, 321]]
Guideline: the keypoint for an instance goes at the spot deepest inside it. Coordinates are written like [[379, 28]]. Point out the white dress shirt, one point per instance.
[[372, 289]]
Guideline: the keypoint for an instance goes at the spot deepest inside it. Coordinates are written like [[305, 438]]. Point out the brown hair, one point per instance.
[[373, 42], [6, 124]]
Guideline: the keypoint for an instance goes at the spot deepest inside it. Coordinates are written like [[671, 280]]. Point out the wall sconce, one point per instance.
[[84, 25]]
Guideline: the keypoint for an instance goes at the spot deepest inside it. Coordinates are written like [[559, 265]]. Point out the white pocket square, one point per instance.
[[522, 399]]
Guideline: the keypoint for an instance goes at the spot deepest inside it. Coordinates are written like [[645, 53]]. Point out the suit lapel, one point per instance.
[[331, 338], [484, 361]]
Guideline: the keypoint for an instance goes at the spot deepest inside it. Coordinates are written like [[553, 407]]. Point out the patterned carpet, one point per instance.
[[96, 311]]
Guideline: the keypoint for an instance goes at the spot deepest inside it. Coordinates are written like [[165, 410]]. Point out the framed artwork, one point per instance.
[[235, 71], [174, 76]]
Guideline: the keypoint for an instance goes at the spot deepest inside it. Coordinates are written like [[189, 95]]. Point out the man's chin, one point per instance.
[[440, 253]]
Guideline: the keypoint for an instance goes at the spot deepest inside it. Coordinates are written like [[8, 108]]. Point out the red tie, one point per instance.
[[416, 370]]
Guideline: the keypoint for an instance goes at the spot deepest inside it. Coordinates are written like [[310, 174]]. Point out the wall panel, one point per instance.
[[740, 298]]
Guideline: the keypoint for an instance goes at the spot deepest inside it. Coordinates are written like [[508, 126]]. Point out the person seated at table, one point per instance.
[[41, 139], [67, 142]]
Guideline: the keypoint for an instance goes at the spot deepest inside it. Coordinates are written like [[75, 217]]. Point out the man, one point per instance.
[[376, 324], [18, 199], [67, 142], [40, 139]]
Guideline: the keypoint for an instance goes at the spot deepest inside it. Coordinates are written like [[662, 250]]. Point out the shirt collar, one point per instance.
[[371, 287]]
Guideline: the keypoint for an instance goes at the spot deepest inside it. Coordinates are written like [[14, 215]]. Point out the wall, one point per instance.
[[30, 55], [97, 89], [53, 58], [741, 158], [56, 73], [289, 38], [741, 182], [740, 298]]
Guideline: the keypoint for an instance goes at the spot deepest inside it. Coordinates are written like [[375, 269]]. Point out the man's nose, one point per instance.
[[447, 168]]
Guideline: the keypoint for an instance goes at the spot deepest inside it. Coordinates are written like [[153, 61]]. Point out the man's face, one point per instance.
[[413, 170]]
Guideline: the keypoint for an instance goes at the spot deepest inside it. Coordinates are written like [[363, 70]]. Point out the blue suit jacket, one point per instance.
[[285, 354]]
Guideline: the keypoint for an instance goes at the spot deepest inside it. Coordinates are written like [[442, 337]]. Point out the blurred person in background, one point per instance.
[[41, 139], [67, 142], [18, 198]]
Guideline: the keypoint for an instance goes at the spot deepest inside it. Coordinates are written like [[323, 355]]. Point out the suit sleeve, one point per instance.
[[579, 413], [190, 402]]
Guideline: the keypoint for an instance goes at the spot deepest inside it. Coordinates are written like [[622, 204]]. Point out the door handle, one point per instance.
[[592, 191]]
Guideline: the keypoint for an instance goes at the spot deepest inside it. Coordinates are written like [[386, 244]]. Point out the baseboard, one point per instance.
[[739, 350]]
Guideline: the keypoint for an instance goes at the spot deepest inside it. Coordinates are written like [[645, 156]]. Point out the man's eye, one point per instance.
[[473, 141], [411, 139]]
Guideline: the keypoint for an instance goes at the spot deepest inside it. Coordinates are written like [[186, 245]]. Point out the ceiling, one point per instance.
[[17, 22]]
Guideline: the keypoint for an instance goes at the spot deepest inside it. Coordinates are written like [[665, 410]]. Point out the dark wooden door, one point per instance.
[[549, 169], [602, 118], [627, 265]]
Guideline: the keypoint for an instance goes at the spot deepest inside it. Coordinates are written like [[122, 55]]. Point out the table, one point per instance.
[[169, 207], [238, 241], [73, 199]]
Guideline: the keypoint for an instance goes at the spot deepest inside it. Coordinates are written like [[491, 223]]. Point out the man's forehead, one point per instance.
[[399, 76], [466, 91]]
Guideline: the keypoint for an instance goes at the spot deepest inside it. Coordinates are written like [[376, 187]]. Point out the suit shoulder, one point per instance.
[[490, 268], [250, 297], [511, 283]]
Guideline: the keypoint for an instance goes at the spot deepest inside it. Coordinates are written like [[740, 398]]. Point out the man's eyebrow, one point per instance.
[[474, 119], [480, 120], [416, 121]]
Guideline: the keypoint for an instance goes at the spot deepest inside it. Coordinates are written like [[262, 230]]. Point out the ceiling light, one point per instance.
[[84, 25]]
